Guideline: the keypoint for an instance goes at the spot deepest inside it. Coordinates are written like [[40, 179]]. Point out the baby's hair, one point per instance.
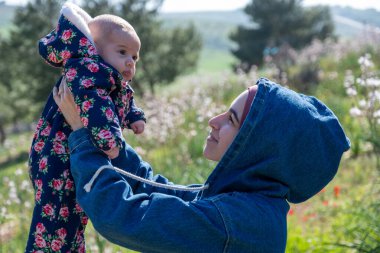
[[108, 23]]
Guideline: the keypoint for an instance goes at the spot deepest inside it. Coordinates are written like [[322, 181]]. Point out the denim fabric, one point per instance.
[[245, 207]]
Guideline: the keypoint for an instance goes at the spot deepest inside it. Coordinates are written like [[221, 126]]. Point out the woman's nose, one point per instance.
[[214, 122]]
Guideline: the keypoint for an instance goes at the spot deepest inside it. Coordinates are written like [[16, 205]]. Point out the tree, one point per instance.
[[277, 23]]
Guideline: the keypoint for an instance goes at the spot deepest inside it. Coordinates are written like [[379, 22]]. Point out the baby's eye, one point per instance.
[[122, 52]]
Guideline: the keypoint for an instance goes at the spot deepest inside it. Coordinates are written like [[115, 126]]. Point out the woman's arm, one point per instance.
[[148, 222]]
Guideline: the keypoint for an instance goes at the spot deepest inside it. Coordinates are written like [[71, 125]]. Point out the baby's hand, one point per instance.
[[112, 153], [138, 126]]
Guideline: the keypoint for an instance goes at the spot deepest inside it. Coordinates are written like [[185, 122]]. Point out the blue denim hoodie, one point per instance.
[[287, 150]]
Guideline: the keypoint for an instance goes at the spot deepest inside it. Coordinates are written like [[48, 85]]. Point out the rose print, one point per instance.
[[102, 93], [92, 50], [84, 121], [64, 213], [61, 233], [46, 131], [78, 209], [83, 42], [84, 220], [56, 245], [93, 67], [57, 184], [48, 211], [40, 228], [40, 241], [67, 35], [71, 74], [87, 83], [38, 183], [38, 196], [65, 54], [58, 148], [39, 146], [87, 105], [109, 114], [53, 57], [60, 136], [43, 164], [69, 185], [105, 134]]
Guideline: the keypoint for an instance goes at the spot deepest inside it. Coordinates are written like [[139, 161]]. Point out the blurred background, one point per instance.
[[196, 57]]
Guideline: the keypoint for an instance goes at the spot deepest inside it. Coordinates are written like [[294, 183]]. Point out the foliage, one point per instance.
[[279, 23]]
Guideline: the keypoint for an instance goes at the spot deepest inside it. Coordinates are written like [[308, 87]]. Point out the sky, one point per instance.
[[218, 5]]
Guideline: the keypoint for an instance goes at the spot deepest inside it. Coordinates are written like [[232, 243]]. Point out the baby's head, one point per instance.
[[116, 42]]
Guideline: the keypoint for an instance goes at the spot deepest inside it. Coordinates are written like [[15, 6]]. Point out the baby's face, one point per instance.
[[121, 51]]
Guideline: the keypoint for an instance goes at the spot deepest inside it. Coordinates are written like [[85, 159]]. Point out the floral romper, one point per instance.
[[58, 222]]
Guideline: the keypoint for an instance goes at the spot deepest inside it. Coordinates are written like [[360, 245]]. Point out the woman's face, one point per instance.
[[224, 128]]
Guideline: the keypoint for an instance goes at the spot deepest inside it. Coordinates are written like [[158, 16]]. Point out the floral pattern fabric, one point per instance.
[[58, 222]]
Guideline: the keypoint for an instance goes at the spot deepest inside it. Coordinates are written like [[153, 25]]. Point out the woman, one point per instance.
[[273, 146]]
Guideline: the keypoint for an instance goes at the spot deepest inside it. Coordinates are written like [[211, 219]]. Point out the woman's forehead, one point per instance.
[[238, 104]]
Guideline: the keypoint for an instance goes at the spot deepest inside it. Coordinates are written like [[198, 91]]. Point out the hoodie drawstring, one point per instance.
[[88, 186]]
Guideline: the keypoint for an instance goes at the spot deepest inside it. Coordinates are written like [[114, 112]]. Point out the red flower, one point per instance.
[[53, 57], [87, 83], [48, 210], [92, 50], [46, 131], [65, 54], [38, 196], [67, 34], [71, 74], [69, 184], [38, 183], [60, 136], [84, 220], [93, 67], [61, 233], [86, 105], [83, 42], [105, 134], [64, 212], [336, 191], [109, 114], [57, 184], [59, 148], [56, 245], [39, 146], [40, 241], [42, 165], [40, 228], [84, 121], [102, 93], [111, 143], [78, 209]]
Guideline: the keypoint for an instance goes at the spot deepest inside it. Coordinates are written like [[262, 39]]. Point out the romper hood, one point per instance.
[[289, 146], [70, 39]]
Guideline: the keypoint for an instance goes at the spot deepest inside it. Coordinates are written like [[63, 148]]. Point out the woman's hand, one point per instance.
[[65, 100]]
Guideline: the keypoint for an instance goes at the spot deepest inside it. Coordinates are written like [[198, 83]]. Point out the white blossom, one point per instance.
[[355, 112]]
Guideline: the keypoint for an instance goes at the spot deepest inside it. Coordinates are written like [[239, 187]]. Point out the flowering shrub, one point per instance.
[[365, 93]]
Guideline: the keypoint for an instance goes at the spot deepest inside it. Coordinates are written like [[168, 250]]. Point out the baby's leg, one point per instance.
[[58, 222]]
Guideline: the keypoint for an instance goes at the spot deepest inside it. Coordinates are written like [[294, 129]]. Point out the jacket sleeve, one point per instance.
[[134, 114], [97, 111], [145, 221]]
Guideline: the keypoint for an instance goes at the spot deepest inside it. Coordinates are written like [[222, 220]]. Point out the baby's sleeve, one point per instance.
[[96, 108], [134, 113]]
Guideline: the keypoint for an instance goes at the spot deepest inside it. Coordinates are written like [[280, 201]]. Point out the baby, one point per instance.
[[98, 57]]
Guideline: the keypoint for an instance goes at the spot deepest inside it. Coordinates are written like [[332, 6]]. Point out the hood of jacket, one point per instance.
[[289, 146], [71, 41]]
